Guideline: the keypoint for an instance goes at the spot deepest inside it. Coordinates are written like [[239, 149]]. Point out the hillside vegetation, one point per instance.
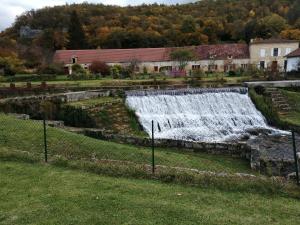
[[37, 194], [153, 25]]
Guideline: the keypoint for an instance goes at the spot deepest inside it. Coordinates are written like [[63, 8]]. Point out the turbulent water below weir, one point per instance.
[[208, 115]]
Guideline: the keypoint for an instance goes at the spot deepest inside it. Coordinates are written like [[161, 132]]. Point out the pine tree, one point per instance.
[[77, 38]]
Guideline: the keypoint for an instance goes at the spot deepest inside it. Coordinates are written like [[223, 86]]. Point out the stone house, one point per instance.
[[270, 53], [215, 58], [293, 61]]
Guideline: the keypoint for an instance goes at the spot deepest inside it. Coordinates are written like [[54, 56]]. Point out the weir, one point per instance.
[[206, 115]]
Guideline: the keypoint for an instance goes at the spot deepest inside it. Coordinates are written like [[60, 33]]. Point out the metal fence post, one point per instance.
[[45, 140], [153, 163], [295, 157]]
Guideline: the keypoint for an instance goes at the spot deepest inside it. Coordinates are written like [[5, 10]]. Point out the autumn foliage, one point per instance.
[[98, 67]]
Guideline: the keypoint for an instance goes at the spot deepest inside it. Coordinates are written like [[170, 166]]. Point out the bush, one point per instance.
[[10, 65], [98, 67], [115, 71], [79, 73], [51, 69], [232, 73], [198, 74]]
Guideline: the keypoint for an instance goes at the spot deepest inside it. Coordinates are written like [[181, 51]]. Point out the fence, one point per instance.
[[44, 142]]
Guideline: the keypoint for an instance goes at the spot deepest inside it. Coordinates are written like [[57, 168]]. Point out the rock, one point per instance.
[[291, 176], [20, 116]]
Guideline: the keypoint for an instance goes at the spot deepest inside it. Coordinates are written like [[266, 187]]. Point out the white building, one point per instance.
[[293, 61]]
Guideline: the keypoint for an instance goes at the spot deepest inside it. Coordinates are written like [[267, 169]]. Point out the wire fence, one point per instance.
[[41, 139]]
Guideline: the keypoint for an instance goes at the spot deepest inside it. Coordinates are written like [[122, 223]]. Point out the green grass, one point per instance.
[[27, 135], [94, 101], [293, 99], [39, 194], [127, 82]]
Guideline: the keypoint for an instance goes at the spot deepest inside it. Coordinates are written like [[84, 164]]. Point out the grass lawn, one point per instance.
[[94, 101], [27, 135], [294, 101], [39, 194]]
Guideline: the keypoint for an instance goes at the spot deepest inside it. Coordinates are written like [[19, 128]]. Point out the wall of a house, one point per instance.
[[293, 64], [256, 53]]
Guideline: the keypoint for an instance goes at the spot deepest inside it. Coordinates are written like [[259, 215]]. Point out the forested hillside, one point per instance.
[[207, 21]]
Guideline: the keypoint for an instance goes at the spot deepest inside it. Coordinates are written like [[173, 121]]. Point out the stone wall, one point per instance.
[[239, 150]]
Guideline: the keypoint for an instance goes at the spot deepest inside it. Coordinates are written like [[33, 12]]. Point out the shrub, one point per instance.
[[145, 71], [115, 71], [10, 65], [79, 73], [232, 73], [254, 72], [98, 67], [51, 69], [198, 74], [126, 72]]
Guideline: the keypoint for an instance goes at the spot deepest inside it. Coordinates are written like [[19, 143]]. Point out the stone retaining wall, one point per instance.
[[239, 150], [63, 97]]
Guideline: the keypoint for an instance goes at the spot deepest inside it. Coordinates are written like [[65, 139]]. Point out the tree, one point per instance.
[[293, 34], [98, 67], [273, 24], [76, 33], [188, 25], [10, 65], [182, 56], [294, 11]]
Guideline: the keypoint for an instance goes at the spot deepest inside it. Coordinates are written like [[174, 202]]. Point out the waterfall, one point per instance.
[[208, 115]]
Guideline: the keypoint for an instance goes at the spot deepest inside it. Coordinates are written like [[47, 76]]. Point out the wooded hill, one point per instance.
[[206, 21]]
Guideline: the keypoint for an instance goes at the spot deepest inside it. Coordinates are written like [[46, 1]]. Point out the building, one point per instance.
[[222, 57], [270, 54], [293, 61], [215, 58]]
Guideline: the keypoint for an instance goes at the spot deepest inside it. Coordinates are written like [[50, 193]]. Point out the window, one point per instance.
[[262, 52], [155, 68], [285, 65], [275, 52], [229, 67], [262, 65], [229, 56], [212, 67], [74, 60], [195, 67], [244, 66]]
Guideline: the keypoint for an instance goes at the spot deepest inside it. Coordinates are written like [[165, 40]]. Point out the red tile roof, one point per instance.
[[114, 55], [223, 51], [272, 41], [202, 52], [295, 53]]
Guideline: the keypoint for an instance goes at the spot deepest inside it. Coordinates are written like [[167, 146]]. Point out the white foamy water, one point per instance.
[[209, 117]]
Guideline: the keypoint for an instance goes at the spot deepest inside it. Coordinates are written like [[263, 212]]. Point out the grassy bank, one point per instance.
[[37, 194], [293, 98], [284, 121], [264, 104], [27, 135]]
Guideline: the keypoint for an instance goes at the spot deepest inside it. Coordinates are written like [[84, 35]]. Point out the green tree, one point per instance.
[[273, 24], [182, 56], [188, 25], [77, 38]]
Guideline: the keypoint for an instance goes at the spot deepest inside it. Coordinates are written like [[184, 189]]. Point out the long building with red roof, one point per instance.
[[219, 57]]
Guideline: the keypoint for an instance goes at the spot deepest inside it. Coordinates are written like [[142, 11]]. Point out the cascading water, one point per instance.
[[209, 115]]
